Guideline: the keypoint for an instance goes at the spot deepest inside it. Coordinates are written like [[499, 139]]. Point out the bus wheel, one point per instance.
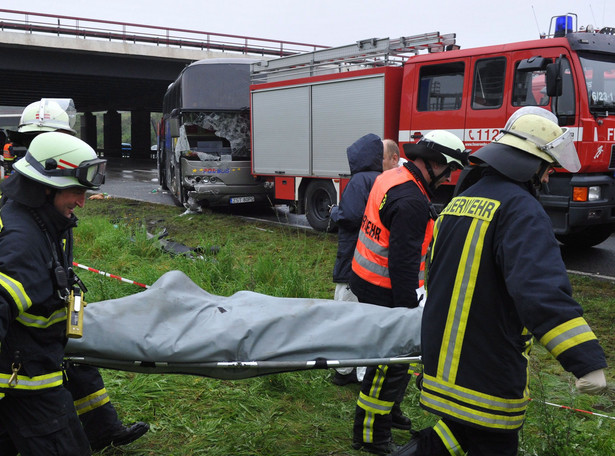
[[319, 197], [587, 237], [177, 189], [162, 173]]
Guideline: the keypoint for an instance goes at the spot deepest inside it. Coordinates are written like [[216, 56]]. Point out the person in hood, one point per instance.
[[367, 157]]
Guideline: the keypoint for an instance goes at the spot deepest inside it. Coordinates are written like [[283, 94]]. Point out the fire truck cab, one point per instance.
[[473, 92]]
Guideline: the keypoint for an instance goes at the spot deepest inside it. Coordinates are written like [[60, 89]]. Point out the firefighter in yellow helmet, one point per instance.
[[495, 280], [97, 414], [37, 415]]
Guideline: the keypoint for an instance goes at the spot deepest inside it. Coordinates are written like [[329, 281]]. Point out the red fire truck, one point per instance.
[[306, 109]]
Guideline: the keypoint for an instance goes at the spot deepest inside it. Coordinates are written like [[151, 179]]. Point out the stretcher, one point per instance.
[[176, 327]]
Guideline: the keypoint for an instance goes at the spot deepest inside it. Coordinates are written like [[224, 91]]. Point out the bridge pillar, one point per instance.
[[112, 130], [88, 129], [140, 134]]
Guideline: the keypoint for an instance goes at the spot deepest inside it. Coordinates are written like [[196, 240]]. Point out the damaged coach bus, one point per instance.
[[204, 136]]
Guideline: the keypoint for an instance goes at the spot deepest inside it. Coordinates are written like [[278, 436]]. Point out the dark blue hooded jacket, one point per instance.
[[365, 160]]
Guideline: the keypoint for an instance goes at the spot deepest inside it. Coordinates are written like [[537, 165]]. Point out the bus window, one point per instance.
[[441, 87], [488, 89]]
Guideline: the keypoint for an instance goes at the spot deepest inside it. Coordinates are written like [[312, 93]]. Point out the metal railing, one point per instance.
[[41, 23]]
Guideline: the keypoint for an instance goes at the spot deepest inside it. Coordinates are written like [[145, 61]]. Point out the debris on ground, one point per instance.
[[176, 248]]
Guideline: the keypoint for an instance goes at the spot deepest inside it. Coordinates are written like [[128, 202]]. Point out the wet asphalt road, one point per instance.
[[138, 179]]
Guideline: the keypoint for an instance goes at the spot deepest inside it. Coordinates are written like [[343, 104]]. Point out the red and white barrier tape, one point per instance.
[[106, 274], [577, 410]]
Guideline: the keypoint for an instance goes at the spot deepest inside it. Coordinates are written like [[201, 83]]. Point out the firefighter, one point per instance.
[[496, 279], [37, 415], [97, 414], [8, 157], [388, 266]]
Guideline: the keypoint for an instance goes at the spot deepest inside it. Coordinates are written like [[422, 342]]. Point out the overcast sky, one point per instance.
[[338, 22]]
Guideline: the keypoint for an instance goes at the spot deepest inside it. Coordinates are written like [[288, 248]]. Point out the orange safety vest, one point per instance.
[[371, 256], [7, 152]]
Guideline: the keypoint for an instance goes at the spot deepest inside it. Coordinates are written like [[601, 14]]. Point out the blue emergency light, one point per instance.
[[563, 26]]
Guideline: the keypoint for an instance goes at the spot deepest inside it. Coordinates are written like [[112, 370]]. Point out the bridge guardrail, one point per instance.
[[42, 23]]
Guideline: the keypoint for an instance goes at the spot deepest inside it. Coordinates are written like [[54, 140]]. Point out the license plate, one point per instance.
[[242, 199]]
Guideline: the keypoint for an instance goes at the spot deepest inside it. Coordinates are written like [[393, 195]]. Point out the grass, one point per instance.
[[297, 413]]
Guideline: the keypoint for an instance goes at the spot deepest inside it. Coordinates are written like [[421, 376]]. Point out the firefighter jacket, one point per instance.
[[365, 161], [32, 314], [389, 260], [495, 279]]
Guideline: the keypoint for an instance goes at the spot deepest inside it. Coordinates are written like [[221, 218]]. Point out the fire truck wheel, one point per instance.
[[587, 237], [319, 197]]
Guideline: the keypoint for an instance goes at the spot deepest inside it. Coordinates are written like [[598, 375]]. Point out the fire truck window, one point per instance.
[[488, 89], [529, 89], [441, 87], [564, 106]]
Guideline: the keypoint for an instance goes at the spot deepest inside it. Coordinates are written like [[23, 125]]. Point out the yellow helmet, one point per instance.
[[535, 131], [61, 161]]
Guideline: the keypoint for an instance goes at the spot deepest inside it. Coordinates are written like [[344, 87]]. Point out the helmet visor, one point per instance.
[[91, 172], [562, 150]]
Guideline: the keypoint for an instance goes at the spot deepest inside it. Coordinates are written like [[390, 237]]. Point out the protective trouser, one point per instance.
[[382, 387], [449, 438], [41, 424], [91, 400]]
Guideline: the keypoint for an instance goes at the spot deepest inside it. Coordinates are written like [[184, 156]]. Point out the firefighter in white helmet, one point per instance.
[[47, 114], [495, 281], [388, 268], [98, 415]]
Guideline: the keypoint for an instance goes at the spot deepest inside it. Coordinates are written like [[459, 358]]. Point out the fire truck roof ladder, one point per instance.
[[368, 53]]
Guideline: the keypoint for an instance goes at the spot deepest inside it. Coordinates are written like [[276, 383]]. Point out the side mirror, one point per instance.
[[174, 127], [554, 79]]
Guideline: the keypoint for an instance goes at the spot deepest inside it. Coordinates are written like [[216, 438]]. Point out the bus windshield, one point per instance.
[[599, 70]]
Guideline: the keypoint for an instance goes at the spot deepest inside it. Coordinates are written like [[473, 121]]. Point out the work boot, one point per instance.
[[123, 436], [345, 379], [409, 449], [380, 449], [399, 420]]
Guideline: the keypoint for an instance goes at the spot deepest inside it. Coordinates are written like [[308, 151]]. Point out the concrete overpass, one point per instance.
[[109, 67]]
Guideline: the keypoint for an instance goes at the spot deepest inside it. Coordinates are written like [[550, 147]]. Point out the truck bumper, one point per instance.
[[568, 216], [220, 183]]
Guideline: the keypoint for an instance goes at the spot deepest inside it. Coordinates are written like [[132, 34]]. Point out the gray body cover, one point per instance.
[[177, 327]]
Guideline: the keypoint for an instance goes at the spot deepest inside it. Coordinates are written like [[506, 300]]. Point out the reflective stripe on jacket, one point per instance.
[[496, 278], [371, 256], [34, 316]]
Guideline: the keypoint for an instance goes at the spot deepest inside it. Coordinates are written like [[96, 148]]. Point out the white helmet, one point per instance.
[[440, 146], [48, 114], [61, 161]]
